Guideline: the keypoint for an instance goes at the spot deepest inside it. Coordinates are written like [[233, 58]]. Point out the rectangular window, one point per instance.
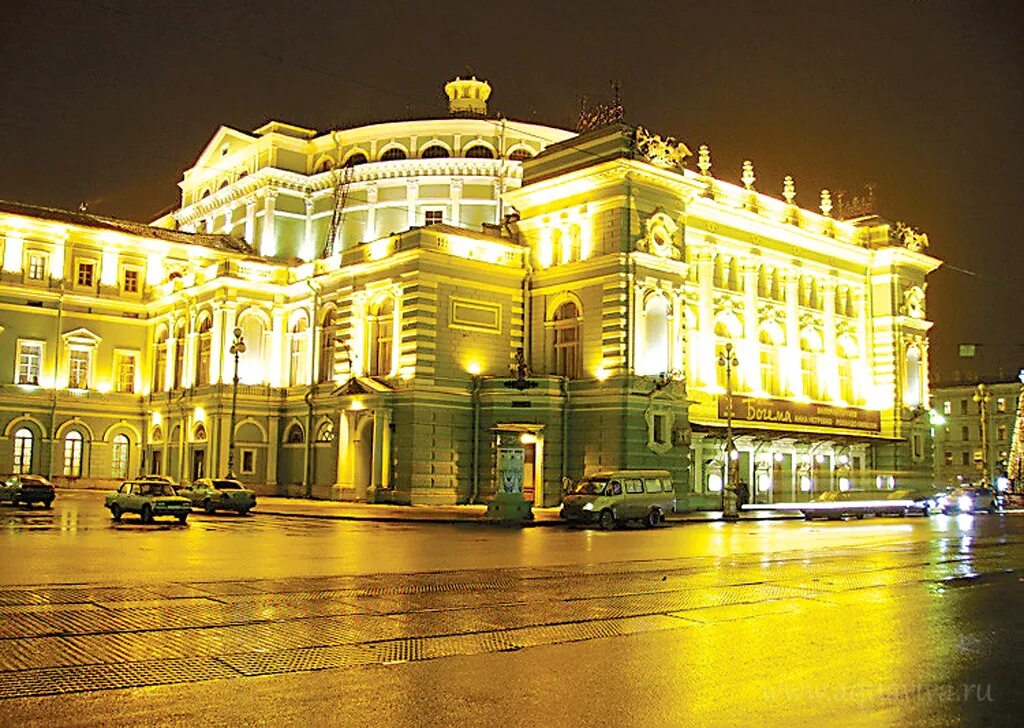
[[963, 406], [964, 433], [433, 217], [130, 281], [248, 461], [78, 369], [965, 458], [947, 408], [154, 462], [949, 458], [1001, 432], [86, 272], [30, 357], [36, 266], [125, 372], [1001, 404], [918, 446]]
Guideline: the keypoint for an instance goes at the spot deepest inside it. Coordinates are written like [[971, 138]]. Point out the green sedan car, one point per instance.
[[148, 498], [219, 494]]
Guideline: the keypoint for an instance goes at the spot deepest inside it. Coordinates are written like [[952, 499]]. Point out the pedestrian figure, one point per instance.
[[742, 494]]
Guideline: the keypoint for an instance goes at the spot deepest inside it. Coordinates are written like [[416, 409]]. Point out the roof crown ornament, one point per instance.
[[788, 189], [467, 96], [704, 160], [912, 238], [748, 174], [667, 153], [826, 203]]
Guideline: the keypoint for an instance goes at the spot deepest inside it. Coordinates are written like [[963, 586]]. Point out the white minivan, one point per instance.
[[615, 496]]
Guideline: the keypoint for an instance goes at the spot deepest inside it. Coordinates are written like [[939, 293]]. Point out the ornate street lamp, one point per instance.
[[982, 397], [237, 348], [728, 360]]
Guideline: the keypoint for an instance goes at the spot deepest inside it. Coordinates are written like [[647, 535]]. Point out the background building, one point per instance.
[[415, 296], [963, 452]]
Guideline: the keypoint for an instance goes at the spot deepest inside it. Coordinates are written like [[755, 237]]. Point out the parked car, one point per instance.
[[159, 479], [971, 500], [27, 489], [612, 497], [219, 494], [148, 498]]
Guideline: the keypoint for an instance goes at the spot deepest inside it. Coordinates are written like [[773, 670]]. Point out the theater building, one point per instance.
[[414, 296]]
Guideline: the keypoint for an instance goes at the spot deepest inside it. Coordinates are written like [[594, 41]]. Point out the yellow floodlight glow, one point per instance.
[[156, 418], [12, 253], [473, 368], [379, 249], [602, 374], [108, 267], [357, 405], [199, 414], [528, 438], [103, 387]]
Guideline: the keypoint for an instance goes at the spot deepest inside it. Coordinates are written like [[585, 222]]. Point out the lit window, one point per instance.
[[131, 280], [125, 372], [1001, 404], [381, 325], [30, 357], [36, 267], [86, 273], [325, 433], [297, 353], [715, 483], [205, 344], [567, 341], [654, 355], [948, 458], [78, 369], [23, 451], [119, 457], [328, 336], [947, 408], [433, 217], [1001, 432], [73, 454]]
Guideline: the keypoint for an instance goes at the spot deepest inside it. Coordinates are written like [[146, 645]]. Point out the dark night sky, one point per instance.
[[108, 102]]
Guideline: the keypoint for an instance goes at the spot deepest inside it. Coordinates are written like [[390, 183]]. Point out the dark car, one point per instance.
[[27, 489], [972, 500]]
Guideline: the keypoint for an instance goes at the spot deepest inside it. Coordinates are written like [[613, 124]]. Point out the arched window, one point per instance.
[[328, 340], [519, 155], [810, 352], [294, 434], [199, 433], [393, 154], [381, 323], [356, 159], [73, 454], [653, 352], [434, 151], [912, 380], [325, 433], [297, 353], [23, 441], [573, 244], [251, 369], [179, 355], [847, 347], [119, 456], [204, 345], [771, 339], [557, 252], [157, 434], [479, 151], [568, 340]]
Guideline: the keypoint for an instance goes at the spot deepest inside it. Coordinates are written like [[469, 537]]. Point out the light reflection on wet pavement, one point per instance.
[[883, 605]]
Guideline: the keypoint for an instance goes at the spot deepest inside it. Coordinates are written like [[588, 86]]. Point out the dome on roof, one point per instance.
[[467, 96]]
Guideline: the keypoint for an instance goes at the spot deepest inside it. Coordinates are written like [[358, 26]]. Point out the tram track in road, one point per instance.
[[57, 639]]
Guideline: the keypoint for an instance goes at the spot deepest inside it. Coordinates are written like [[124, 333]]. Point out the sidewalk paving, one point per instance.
[[388, 513]]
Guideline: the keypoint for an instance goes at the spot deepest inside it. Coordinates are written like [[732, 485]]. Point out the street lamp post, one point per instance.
[[982, 397], [728, 360], [237, 348]]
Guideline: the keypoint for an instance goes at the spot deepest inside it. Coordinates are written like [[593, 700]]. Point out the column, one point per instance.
[[188, 363], [172, 353], [216, 343], [829, 360], [704, 351], [268, 240], [793, 384], [750, 355], [381, 450], [272, 443], [275, 360], [371, 211], [412, 195], [456, 193], [309, 250], [250, 220]]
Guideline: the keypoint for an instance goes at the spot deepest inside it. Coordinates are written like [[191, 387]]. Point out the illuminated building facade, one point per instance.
[[963, 452], [414, 294]]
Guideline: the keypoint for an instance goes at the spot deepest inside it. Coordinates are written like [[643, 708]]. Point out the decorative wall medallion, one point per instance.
[[659, 239]]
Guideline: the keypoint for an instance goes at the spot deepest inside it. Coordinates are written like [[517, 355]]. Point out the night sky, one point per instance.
[[108, 102]]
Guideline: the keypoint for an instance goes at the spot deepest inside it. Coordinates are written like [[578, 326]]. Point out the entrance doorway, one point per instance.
[[531, 439], [362, 447], [198, 464]]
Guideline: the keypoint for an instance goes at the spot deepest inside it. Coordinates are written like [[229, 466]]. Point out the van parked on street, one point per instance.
[[612, 497]]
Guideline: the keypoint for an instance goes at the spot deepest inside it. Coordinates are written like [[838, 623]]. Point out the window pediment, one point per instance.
[[81, 337]]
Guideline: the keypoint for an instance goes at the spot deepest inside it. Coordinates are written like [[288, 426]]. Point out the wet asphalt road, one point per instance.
[[265, 620]]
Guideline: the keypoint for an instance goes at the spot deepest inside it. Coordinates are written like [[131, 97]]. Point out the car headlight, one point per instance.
[[964, 503], [588, 506]]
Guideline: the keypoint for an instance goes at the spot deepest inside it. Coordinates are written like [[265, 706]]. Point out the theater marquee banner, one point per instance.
[[785, 412]]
